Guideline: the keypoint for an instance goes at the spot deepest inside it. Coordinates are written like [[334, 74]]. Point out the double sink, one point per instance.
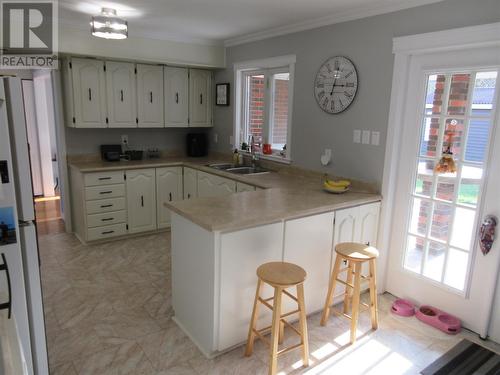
[[231, 168]]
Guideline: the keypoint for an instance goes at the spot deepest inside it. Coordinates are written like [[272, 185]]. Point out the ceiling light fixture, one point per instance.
[[107, 25]]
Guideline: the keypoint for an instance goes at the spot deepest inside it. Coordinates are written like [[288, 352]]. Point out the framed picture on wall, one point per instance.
[[222, 94]]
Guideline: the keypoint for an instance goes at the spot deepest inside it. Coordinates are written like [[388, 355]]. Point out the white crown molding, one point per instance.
[[373, 9], [138, 33], [464, 37]]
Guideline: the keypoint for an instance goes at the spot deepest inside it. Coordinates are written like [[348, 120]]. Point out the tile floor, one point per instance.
[[108, 312]]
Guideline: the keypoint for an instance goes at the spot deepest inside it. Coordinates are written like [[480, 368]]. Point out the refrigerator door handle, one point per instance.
[[8, 304]]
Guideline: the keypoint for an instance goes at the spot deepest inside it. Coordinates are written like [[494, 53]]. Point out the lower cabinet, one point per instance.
[[241, 187], [190, 183], [141, 200], [210, 185], [168, 189]]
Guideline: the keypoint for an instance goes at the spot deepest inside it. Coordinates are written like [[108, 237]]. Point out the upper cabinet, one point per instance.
[[200, 98], [86, 101], [112, 94], [176, 97], [150, 96], [121, 93]]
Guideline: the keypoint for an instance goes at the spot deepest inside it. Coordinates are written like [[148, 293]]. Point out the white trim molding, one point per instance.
[[405, 50]]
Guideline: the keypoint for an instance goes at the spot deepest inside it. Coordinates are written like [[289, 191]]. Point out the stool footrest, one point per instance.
[[290, 313], [290, 348], [265, 303], [290, 295], [340, 313]]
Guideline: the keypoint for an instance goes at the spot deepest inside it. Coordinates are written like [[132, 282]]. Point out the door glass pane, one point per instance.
[[484, 93], [435, 91], [430, 135], [434, 262], [424, 181], [453, 136], [456, 268], [441, 220], [279, 115], [446, 188], [462, 228], [414, 254], [477, 140], [459, 90], [470, 185], [419, 218]]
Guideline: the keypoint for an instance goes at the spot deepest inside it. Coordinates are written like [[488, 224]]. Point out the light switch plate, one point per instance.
[[357, 136], [375, 138], [124, 139], [365, 139]]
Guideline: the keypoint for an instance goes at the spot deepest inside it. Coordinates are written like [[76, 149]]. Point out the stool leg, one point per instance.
[[355, 300], [282, 332], [253, 320], [373, 293], [273, 366], [331, 290], [303, 325], [348, 289]]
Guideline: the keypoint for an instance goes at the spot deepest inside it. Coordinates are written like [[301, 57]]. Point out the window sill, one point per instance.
[[276, 158]]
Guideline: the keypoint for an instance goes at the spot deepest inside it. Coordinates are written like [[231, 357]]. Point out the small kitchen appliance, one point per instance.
[[197, 144]]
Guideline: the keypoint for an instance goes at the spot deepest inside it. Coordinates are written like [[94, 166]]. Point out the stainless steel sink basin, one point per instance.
[[247, 170], [221, 166]]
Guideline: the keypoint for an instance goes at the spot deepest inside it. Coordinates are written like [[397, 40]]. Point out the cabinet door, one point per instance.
[[141, 200], [176, 97], [367, 224], [190, 183], [240, 187], [89, 99], [308, 243], [168, 189], [200, 98], [345, 225], [150, 96], [214, 186], [121, 93]]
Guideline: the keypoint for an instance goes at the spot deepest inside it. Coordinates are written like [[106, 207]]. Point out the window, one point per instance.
[[263, 105]]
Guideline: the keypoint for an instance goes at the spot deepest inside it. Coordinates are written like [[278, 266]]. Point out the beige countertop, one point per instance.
[[287, 193]]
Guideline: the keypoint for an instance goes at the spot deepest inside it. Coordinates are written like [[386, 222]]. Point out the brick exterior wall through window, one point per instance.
[[280, 111]]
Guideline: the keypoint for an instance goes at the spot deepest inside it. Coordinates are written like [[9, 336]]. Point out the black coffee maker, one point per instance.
[[197, 144]]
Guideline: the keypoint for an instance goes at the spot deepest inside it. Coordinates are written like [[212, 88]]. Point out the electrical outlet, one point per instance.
[[124, 140], [365, 137], [357, 136], [375, 138]]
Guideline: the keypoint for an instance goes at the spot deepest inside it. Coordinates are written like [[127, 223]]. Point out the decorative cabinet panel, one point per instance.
[[168, 189], [141, 200], [190, 183], [176, 97], [86, 100], [240, 187], [200, 98], [210, 185], [121, 95], [150, 96]]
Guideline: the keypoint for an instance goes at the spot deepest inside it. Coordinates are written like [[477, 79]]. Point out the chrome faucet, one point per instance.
[[255, 157]]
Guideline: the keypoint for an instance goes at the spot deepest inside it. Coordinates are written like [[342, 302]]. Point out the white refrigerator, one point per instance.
[[20, 285]]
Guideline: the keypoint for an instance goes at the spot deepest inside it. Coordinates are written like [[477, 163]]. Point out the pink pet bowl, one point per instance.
[[439, 319], [403, 307]]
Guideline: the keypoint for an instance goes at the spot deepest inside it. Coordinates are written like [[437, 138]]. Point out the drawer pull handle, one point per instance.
[[151, 96], [104, 178], [108, 232], [106, 205], [108, 219], [6, 305], [106, 192], [170, 197]]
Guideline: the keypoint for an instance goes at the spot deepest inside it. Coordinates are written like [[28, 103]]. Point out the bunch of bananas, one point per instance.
[[339, 186]]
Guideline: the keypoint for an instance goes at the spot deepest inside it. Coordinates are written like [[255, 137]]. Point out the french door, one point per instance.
[[451, 102]]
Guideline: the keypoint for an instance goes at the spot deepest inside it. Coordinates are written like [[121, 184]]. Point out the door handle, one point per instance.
[[176, 98], [121, 95], [90, 94], [142, 200], [201, 98], [6, 305], [151, 96], [487, 233], [170, 197]]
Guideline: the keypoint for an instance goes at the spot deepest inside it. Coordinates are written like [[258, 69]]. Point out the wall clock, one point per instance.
[[336, 84]]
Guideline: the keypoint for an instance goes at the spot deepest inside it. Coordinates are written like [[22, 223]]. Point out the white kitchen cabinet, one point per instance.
[[200, 98], [141, 200], [168, 189], [241, 187], [190, 183], [150, 96], [210, 185], [176, 87], [85, 93], [313, 252], [121, 94]]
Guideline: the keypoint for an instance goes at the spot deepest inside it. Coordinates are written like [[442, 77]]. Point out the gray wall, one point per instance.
[[87, 141], [368, 42]]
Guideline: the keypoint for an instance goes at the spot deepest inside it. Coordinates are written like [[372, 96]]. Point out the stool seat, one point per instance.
[[281, 274], [356, 251]]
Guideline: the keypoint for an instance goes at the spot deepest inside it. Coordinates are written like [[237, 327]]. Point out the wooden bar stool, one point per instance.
[[354, 254], [280, 276]]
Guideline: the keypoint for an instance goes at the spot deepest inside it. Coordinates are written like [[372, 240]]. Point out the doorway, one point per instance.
[[451, 102]]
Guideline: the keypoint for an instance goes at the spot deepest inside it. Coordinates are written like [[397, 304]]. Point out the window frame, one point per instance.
[[267, 67]]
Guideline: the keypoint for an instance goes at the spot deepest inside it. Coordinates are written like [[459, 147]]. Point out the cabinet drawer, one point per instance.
[[106, 232], [104, 192], [105, 205], [104, 178], [107, 218]]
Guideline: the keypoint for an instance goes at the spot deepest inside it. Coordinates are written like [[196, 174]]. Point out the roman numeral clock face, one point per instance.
[[336, 84]]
